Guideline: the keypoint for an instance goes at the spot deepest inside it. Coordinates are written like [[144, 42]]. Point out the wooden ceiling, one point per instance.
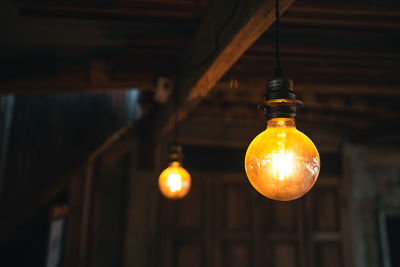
[[343, 59], [93, 45], [342, 55]]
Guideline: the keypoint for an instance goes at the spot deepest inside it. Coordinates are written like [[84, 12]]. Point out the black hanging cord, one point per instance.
[[280, 98], [175, 150], [278, 70], [176, 122]]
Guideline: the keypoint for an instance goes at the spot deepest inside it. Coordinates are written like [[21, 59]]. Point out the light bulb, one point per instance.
[[281, 162], [174, 182]]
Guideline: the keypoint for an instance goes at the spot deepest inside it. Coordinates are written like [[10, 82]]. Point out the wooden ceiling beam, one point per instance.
[[74, 85], [349, 120], [305, 13], [345, 9], [344, 14], [27, 87], [260, 63], [325, 56], [367, 22], [320, 50], [220, 132], [227, 31], [257, 85], [182, 10]]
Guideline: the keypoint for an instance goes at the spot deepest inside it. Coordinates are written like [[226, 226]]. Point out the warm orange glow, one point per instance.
[[174, 182], [281, 162]]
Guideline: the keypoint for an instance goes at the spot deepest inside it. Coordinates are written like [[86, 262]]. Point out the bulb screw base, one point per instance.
[[280, 99], [175, 153]]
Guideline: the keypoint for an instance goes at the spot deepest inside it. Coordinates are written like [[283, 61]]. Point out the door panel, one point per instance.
[[189, 255], [329, 254], [326, 209], [236, 210], [236, 254], [285, 254]]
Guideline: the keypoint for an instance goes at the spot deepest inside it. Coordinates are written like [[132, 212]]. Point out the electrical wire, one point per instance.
[[278, 70], [176, 122]]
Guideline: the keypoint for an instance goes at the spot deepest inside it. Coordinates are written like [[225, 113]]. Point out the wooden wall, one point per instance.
[[224, 222]]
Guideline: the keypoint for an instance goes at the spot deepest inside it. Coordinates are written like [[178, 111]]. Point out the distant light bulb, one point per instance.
[[174, 182], [281, 162]]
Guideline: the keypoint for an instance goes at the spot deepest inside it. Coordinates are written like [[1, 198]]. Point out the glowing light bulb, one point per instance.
[[174, 182], [281, 162]]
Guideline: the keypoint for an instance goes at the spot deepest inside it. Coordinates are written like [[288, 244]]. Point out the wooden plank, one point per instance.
[[105, 155], [333, 14], [227, 31], [325, 116], [49, 87], [259, 84], [66, 81], [318, 71], [387, 9], [324, 50], [344, 14], [215, 132], [182, 10], [233, 104], [74, 229]]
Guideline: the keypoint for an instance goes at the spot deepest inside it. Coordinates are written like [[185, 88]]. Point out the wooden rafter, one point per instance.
[[227, 31], [256, 86], [51, 87], [187, 10]]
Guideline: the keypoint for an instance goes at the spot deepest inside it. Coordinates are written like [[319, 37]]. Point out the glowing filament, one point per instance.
[[174, 182], [282, 164]]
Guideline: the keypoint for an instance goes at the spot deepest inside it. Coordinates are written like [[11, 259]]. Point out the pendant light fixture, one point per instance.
[[174, 182], [281, 162]]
